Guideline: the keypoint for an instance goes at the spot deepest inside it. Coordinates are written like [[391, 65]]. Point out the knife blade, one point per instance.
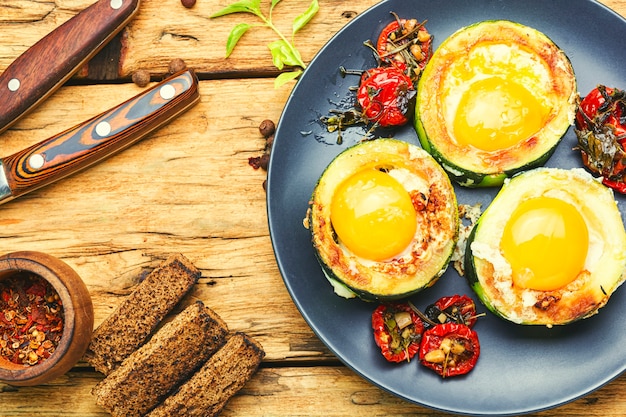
[[97, 138], [50, 62]]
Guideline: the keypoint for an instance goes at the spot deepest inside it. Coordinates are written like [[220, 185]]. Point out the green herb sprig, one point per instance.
[[283, 50]]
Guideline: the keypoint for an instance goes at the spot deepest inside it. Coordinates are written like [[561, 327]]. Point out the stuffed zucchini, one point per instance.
[[549, 249], [384, 220], [495, 99]]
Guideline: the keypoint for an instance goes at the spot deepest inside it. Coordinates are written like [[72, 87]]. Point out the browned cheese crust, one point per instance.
[[577, 300], [424, 260], [560, 90]]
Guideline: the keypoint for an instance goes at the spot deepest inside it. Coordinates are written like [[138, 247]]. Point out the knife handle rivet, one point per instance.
[[14, 84], [167, 92], [103, 129], [36, 161], [116, 4]]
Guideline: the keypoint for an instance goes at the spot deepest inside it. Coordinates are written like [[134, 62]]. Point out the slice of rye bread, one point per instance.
[[134, 320], [171, 356], [206, 393]]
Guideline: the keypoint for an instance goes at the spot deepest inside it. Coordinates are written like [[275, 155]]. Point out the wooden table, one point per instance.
[[188, 188]]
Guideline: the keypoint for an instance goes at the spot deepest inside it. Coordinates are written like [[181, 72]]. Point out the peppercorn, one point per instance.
[[267, 128], [176, 65], [141, 78], [188, 3], [257, 162]]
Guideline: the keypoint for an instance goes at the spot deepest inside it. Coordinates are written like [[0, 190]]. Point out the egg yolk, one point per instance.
[[497, 113], [373, 215], [546, 242]]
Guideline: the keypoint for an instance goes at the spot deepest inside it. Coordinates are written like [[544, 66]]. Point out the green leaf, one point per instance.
[[283, 54], [273, 4], [283, 50], [284, 77], [300, 21], [242, 6], [277, 55], [235, 34]]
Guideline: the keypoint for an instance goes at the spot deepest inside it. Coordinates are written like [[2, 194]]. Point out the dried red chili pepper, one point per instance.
[[453, 309], [31, 319], [449, 349], [38, 288], [601, 130], [397, 331], [386, 96]]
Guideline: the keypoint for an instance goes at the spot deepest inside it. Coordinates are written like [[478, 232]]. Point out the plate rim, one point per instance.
[[307, 316]]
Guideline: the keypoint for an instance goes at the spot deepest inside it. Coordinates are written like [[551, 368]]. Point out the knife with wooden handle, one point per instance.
[[46, 65], [97, 138]]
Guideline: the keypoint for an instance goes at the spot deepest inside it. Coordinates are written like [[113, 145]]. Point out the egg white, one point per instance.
[[593, 207], [427, 256], [485, 60]]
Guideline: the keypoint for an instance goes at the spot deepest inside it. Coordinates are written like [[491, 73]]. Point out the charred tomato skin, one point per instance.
[[383, 336], [384, 37], [598, 101], [601, 131], [386, 96], [459, 364], [453, 309], [394, 30]]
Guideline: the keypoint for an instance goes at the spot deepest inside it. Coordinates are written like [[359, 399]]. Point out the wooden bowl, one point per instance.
[[77, 313]]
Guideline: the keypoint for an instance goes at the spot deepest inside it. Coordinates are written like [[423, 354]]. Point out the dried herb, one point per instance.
[[31, 319], [284, 52], [600, 127]]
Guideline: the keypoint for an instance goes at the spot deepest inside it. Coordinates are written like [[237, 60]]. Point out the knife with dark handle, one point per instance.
[[46, 65], [93, 140]]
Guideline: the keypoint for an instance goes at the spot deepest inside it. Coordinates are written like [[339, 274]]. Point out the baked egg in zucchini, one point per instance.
[[549, 249], [495, 99], [384, 220]]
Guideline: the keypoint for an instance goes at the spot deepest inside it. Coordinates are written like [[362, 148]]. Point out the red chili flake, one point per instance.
[[31, 319], [38, 289]]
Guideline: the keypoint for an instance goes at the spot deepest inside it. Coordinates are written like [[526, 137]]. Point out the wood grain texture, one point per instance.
[[188, 188], [203, 39], [154, 37], [285, 392], [118, 220]]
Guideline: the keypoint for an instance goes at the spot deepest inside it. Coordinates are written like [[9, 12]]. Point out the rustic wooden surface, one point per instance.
[[188, 188]]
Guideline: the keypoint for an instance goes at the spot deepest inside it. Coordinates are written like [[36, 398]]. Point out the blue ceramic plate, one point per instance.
[[521, 369]]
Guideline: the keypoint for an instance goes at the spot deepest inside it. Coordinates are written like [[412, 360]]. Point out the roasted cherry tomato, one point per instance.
[[453, 309], [405, 44], [601, 131], [449, 349], [386, 96], [397, 331]]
